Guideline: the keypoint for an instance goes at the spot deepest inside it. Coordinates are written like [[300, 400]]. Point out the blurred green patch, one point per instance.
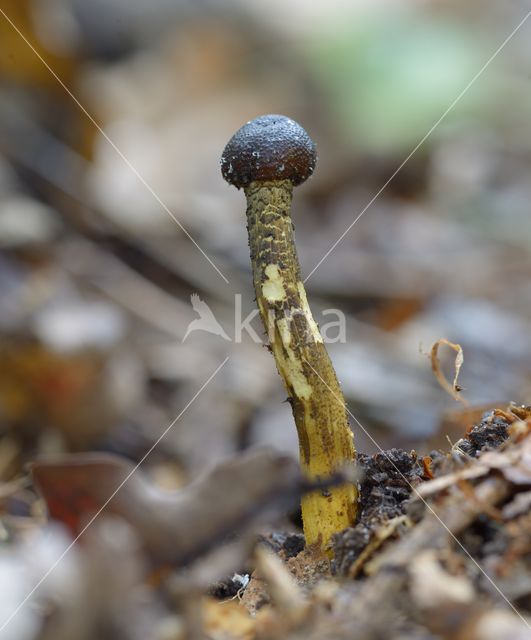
[[390, 78]]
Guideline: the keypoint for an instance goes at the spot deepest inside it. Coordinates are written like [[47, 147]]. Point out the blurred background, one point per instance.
[[113, 117], [101, 190]]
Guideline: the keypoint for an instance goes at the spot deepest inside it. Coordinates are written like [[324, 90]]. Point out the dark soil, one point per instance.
[[386, 486], [489, 434], [388, 481], [285, 545]]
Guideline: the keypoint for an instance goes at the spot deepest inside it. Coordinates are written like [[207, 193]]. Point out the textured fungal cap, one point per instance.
[[268, 148]]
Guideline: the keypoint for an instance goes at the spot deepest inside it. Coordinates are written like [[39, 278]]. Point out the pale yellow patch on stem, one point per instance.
[[273, 288]]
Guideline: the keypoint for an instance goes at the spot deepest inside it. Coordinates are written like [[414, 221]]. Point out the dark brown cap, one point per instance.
[[268, 148]]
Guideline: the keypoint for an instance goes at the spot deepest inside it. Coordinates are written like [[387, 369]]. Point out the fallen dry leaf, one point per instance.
[[450, 479], [514, 463], [175, 527]]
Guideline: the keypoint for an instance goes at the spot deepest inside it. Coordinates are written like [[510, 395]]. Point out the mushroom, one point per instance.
[[267, 157]]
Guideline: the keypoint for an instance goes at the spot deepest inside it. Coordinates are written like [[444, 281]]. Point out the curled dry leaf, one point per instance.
[[452, 388]]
